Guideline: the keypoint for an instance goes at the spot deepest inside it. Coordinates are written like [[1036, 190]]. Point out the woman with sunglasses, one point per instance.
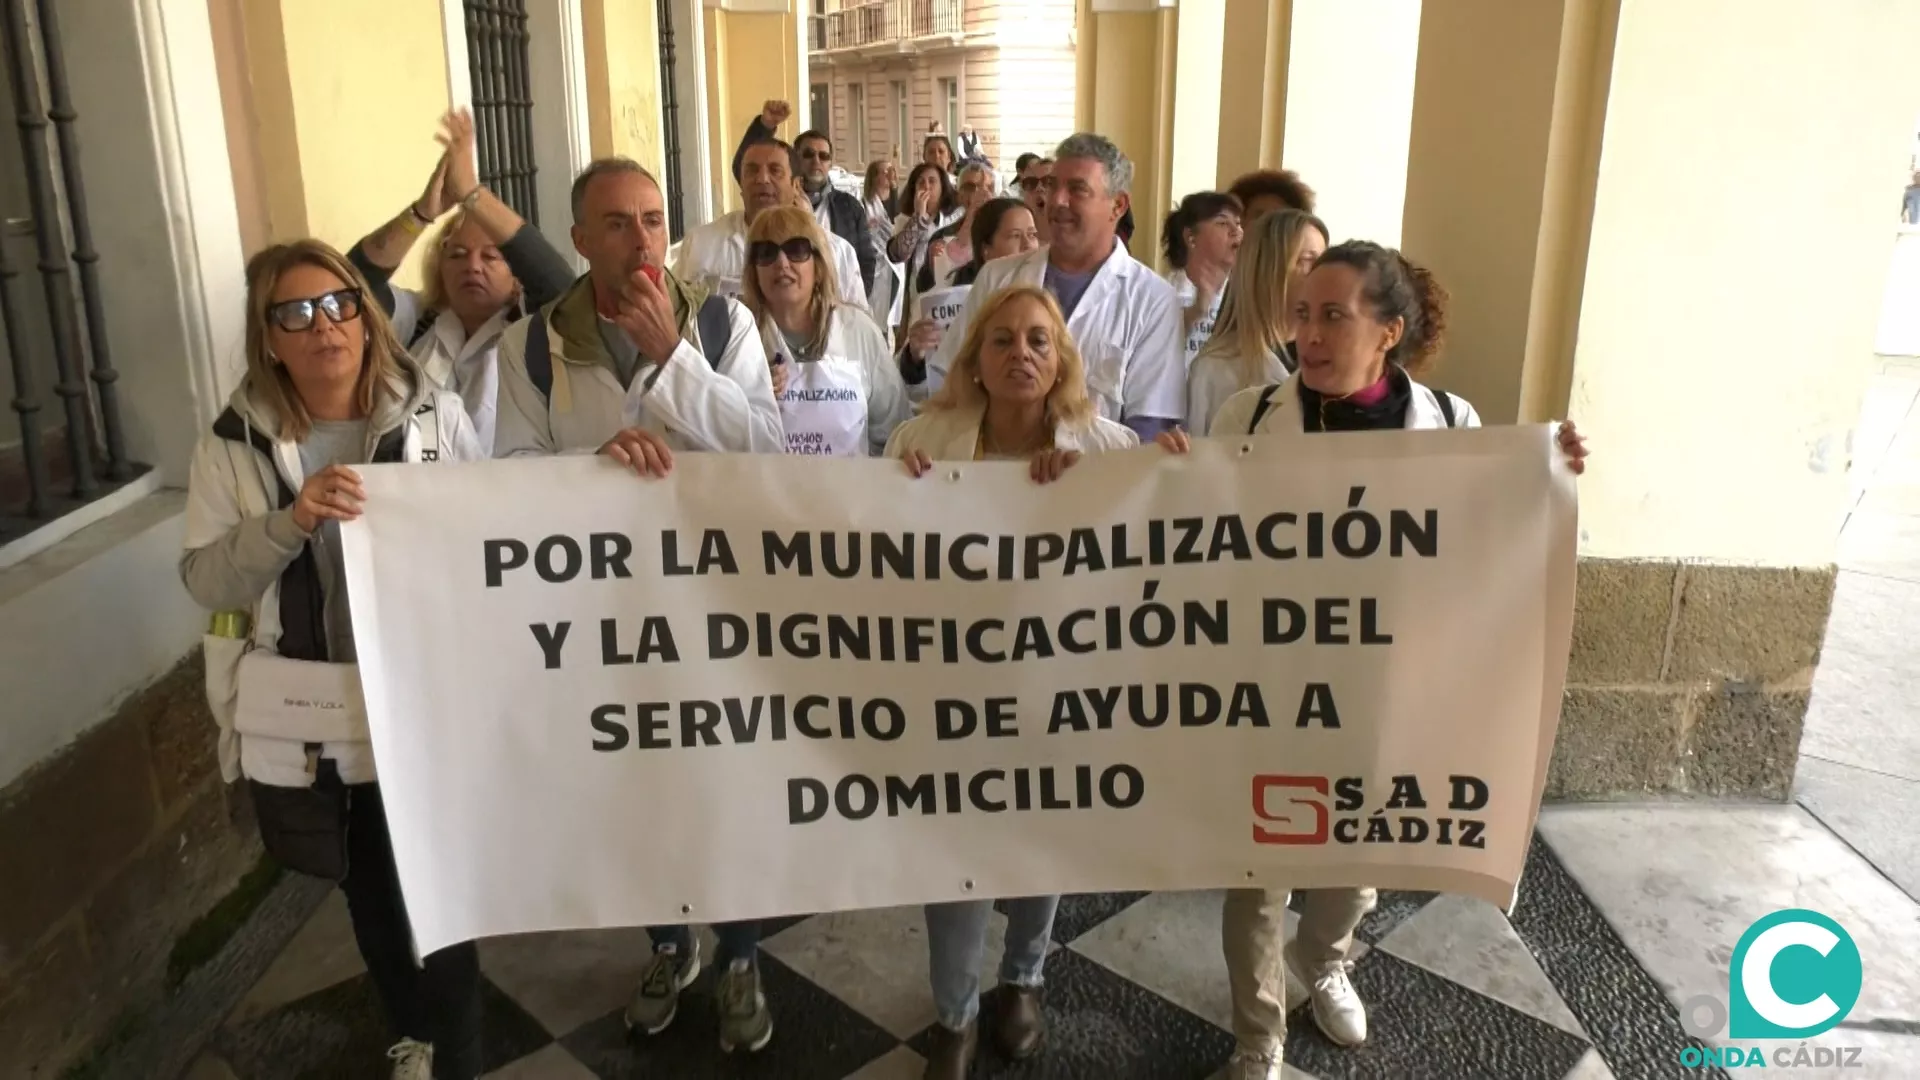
[[839, 392], [1367, 322], [1017, 392], [327, 388], [485, 268]]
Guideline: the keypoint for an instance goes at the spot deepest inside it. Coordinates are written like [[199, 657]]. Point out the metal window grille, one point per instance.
[[502, 100], [95, 459], [670, 123]]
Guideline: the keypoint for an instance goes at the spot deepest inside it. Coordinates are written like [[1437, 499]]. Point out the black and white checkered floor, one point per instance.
[[1135, 988]]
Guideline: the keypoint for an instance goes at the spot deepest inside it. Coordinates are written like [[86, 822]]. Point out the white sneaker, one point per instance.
[[1252, 1065], [1337, 1010], [412, 1060]]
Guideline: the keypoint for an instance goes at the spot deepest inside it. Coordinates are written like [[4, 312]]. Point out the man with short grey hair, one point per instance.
[[630, 360], [638, 364], [1124, 318]]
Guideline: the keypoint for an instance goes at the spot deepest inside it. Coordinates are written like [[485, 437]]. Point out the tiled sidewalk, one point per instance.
[[1135, 989]]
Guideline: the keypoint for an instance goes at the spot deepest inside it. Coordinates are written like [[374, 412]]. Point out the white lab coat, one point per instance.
[[715, 256], [1216, 376], [693, 405], [467, 364], [1186, 292], [1127, 328], [1283, 411], [847, 403], [954, 435]]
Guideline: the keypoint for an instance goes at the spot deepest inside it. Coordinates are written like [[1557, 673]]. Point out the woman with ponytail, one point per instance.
[[1366, 323]]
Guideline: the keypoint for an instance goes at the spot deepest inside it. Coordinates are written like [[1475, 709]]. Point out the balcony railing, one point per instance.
[[884, 22]]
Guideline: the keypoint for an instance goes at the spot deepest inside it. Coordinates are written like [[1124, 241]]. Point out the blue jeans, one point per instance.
[[956, 934], [737, 940]]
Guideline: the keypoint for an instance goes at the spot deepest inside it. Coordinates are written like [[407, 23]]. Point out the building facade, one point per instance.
[[883, 73]]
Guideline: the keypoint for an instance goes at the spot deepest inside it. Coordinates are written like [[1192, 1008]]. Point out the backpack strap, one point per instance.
[[539, 354], [1446, 405], [422, 326], [1260, 407], [716, 329]]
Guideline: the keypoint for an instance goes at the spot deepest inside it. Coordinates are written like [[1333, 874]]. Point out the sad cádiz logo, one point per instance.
[[1319, 810]]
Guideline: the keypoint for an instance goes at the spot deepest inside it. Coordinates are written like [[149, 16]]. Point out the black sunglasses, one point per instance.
[[1028, 183], [816, 155], [293, 316], [797, 250]]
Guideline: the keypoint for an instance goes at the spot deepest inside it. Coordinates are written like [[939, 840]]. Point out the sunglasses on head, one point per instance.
[[766, 252], [293, 316]]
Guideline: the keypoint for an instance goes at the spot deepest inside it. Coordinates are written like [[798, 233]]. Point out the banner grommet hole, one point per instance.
[[686, 909], [954, 476], [967, 884], [1245, 449]]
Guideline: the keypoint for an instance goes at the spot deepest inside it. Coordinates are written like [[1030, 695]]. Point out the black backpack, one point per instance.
[[714, 321], [1266, 402]]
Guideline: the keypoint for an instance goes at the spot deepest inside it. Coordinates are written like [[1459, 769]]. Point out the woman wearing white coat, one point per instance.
[[484, 269], [840, 394], [1200, 238], [1366, 322], [1252, 344], [327, 388], [1017, 393]]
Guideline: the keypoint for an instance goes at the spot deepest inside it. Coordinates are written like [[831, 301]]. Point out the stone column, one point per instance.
[[1671, 221], [1149, 80]]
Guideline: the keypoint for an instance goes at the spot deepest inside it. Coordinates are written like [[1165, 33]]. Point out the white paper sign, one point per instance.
[[770, 685], [941, 305]]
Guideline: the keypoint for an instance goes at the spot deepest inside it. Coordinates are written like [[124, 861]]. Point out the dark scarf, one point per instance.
[[1321, 413]]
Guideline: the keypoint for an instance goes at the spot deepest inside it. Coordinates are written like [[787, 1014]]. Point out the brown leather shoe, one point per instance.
[[1019, 1025], [950, 1053]]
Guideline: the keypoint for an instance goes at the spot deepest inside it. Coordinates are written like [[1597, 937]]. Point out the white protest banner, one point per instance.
[[942, 305], [768, 685]]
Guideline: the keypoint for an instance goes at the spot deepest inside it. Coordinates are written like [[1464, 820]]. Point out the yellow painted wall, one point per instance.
[[1345, 134], [346, 99], [751, 56], [1753, 157], [621, 38], [368, 82], [1477, 175], [1195, 151], [1254, 58], [725, 195], [1127, 56]]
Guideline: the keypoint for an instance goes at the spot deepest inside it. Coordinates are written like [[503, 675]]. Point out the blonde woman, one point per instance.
[[327, 388], [485, 268], [840, 393], [1017, 392], [1252, 341]]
